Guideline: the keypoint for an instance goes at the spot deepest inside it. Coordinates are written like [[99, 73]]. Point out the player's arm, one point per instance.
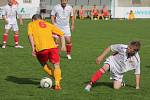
[[103, 55], [72, 19], [5, 19], [32, 44], [20, 19], [137, 79], [19, 16], [4, 16], [52, 19], [58, 32], [31, 39]]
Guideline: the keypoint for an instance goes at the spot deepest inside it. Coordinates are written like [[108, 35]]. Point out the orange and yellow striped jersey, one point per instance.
[[42, 33]]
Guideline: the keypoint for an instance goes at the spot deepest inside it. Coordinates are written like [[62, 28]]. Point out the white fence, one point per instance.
[[140, 12]]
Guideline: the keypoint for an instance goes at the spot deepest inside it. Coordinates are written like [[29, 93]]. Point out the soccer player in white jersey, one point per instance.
[[123, 59], [9, 15], [60, 16]]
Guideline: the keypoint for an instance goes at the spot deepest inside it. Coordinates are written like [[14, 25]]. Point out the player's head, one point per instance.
[[133, 48], [10, 2], [36, 17], [63, 3]]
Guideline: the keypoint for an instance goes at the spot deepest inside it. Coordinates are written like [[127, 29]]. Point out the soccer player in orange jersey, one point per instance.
[[40, 34], [131, 15]]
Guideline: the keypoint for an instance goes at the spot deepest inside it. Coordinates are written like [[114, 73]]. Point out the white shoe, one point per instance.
[[69, 57], [88, 87], [123, 83], [18, 46], [4, 46]]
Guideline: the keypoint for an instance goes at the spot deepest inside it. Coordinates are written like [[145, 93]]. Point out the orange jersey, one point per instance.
[[42, 33], [131, 16]]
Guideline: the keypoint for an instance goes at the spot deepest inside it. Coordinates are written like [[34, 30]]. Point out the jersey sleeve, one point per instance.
[[72, 12], [29, 29], [137, 70], [4, 11], [57, 31], [53, 12], [118, 47]]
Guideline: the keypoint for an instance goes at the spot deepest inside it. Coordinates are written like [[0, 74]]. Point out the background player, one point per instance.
[[60, 16], [40, 34], [9, 15], [123, 59]]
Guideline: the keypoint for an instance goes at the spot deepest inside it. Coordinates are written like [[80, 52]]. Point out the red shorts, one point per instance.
[[49, 54], [106, 13], [95, 13]]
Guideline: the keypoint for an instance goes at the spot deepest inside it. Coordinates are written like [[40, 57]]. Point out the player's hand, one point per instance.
[[99, 59], [33, 53], [21, 23], [6, 21], [63, 48]]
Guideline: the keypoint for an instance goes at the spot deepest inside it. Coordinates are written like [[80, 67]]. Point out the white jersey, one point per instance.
[[62, 15], [120, 63], [11, 13]]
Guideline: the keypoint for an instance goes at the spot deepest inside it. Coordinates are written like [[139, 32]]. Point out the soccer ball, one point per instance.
[[46, 82], [95, 18]]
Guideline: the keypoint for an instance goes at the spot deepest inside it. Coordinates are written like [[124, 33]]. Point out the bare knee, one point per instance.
[[117, 85]]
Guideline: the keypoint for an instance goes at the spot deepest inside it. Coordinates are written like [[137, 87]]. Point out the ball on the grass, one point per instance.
[[46, 82]]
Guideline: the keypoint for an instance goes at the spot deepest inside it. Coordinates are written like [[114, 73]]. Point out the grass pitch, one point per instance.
[[20, 73]]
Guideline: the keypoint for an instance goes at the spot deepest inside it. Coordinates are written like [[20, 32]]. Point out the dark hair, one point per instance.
[[136, 44], [36, 16]]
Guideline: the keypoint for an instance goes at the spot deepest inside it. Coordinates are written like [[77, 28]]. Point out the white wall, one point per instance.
[[27, 9], [140, 12]]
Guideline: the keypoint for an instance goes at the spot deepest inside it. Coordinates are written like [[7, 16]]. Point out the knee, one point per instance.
[[117, 87]]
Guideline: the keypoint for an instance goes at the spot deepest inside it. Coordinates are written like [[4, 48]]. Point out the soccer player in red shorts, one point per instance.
[[40, 35]]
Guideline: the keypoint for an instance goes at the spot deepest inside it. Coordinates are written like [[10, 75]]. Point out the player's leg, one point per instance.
[[96, 76], [68, 46], [5, 35], [43, 58], [117, 80], [92, 15], [55, 59], [117, 84], [16, 36]]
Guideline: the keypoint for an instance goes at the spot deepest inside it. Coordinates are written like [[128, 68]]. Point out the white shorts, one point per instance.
[[114, 75], [66, 30], [13, 26]]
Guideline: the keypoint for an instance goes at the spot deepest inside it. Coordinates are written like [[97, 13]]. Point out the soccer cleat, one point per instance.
[[4, 46], [88, 87], [18, 46], [69, 56], [57, 88], [123, 83]]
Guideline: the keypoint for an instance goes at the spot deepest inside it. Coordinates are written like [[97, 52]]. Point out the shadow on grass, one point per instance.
[[7, 45], [148, 66], [19, 80], [109, 84]]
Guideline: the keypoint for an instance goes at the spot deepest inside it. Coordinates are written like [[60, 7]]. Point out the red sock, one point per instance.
[[5, 37], [68, 48], [16, 39], [97, 75]]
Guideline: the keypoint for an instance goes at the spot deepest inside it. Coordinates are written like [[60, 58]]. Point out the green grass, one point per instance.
[[20, 73]]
